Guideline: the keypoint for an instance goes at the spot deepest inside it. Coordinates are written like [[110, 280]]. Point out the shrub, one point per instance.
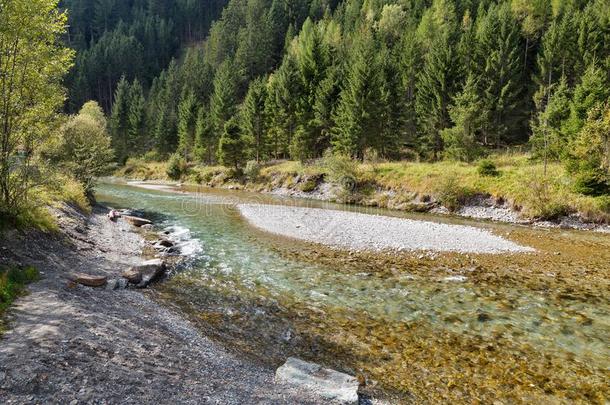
[[176, 167], [152, 156], [487, 168], [341, 169], [451, 194], [544, 199], [591, 182], [12, 282], [309, 184], [252, 170]]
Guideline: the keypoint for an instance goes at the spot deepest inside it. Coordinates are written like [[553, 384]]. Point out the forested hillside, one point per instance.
[[398, 79]]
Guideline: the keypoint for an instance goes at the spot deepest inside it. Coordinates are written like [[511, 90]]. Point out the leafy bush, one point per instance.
[[341, 169], [487, 168], [176, 167], [12, 282], [591, 182], [252, 170], [309, 184], [152, 156], [451, 194], [545, 199]]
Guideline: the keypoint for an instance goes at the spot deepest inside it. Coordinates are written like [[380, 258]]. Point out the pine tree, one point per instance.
[[500, 76], [223, 102], [588, 94], [137, 106], [231, 146], [281, 106], [461, 140], [253, 121], [434, 93], [187, 121], [435, 84], [548, 139], [356, 116], [205, 142], [119, 121]]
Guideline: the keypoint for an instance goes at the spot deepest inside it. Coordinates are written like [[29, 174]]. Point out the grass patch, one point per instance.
[[521, 182], [12, 285]]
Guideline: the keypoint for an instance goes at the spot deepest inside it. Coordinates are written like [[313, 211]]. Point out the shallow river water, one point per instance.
[[416, 327]]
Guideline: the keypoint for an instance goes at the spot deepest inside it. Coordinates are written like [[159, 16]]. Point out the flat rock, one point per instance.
[[144, 274], [137, 221], [89, 280], [331, 385]]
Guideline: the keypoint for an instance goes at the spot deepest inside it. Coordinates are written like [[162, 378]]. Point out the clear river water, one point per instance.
[[416, 327]]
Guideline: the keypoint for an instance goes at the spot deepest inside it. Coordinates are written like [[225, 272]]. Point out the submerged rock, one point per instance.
[[331, 385], [137, 221], [88, 280], [145, 273]]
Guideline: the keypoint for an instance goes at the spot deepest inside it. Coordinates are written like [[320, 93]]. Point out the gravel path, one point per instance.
[[357, 231], [78, 345]]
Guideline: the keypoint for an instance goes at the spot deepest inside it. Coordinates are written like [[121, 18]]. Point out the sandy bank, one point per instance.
[[357, 231]]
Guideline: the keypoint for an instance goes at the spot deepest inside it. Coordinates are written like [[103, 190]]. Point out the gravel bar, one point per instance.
[[361, 232]]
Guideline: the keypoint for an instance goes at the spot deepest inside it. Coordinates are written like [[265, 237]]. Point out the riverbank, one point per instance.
[[517, 193], [68, 343]]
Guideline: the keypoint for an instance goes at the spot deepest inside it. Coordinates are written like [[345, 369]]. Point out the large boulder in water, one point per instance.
[[332, 386], [144, 274], [137, 221]]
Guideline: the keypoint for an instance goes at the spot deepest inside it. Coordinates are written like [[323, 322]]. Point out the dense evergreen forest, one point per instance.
[[398, 79]]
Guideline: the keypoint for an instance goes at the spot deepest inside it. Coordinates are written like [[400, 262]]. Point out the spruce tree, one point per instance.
[[500, 76], [592, 90], [253, 121], [137, 106], [231, 146], [187, 120], [461, 140], [223, 102], [119, 121], [548, 139], [205, 142], [356, 116]]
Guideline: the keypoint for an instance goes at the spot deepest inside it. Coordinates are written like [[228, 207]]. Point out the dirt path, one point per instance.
[[74, 345]]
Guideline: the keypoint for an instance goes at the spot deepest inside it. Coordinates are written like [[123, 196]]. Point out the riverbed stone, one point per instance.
[[137, 221], [144, 274], [331, 385], [88, 280]]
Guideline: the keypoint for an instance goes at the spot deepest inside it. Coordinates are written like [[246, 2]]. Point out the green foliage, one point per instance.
[[231, 145], [450, 193], [487, 168], [187, 125], [176, 167], [12, 284], [356, 115], [439, 79], [253, 120], [33, 62], [252, 170], [589, 154], [462, 140], [84, 149], [341, 169]]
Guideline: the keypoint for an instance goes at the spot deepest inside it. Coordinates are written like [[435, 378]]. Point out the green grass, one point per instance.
[[519, 181], [12, 285]]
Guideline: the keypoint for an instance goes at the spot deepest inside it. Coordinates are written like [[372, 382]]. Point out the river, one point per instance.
[[417, 327]]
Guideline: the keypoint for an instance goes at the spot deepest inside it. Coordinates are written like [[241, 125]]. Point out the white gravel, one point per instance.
[[355, 231]]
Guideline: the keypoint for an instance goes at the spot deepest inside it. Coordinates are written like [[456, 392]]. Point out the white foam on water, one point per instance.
[[183, 240]]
